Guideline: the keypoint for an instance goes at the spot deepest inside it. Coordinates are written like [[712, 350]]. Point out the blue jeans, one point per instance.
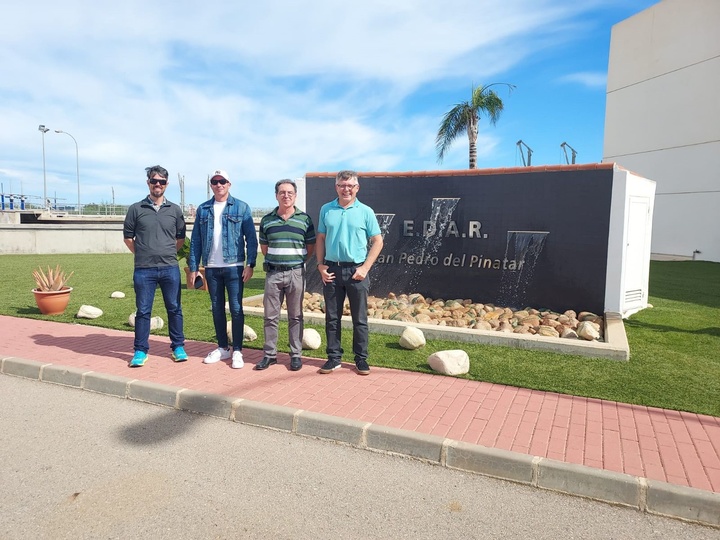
[[218, 280], [335, 294], [145, 282]]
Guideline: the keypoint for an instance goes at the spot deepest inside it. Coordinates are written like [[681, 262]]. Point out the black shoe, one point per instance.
[[295, 363], [265, 363], [330, 366], [362, 367]]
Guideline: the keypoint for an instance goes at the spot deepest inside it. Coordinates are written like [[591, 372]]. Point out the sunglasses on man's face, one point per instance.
[[154, 181], [216, 181]]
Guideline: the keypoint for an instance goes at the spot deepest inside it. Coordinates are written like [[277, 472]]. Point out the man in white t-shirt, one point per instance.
[[223, 233]]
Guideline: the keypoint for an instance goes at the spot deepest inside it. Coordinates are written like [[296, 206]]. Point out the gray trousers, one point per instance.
[[288, 285]]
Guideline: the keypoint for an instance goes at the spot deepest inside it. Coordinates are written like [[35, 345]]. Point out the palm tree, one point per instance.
[[465, 116]]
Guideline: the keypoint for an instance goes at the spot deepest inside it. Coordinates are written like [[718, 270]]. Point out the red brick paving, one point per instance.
[[677, 447]]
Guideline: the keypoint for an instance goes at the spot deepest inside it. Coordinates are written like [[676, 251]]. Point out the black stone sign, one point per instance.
[[527, 238]]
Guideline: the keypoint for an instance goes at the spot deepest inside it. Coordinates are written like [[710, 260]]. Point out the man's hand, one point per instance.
[[327, 277], [360, 273]]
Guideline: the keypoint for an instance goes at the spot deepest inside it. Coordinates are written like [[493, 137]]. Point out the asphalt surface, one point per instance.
[[77, 464]]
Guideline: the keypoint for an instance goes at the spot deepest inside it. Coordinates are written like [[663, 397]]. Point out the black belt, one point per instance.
[[279, 268], [341, 264]]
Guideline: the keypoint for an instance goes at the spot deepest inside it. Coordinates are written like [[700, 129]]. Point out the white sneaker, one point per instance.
[[237, 361], [217, 355]]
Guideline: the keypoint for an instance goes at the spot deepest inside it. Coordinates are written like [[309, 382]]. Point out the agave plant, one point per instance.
[[53, 280]]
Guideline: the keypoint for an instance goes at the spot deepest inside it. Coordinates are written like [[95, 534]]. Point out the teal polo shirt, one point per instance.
[[347, 231]]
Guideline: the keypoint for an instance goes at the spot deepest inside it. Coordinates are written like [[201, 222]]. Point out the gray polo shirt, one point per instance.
[[155, 232]]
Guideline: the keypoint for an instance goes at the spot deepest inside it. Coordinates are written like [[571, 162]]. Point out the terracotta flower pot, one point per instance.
[[52, 302]]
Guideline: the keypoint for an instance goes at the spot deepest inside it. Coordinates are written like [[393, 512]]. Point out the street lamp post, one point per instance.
[[44, 130], [77, 166]]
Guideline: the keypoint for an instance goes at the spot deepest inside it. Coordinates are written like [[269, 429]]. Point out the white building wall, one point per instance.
[[663, 118]]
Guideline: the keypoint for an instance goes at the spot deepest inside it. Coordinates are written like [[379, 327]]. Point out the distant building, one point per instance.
[[662, 119]]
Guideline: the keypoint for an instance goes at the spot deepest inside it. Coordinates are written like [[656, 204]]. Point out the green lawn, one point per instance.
[[674, 347]]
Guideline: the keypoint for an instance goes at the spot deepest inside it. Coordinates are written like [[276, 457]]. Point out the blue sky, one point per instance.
[[275, 89]]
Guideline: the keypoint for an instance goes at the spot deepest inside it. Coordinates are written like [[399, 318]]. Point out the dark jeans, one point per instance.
[[335, 294], [145, 282], [218, 281]]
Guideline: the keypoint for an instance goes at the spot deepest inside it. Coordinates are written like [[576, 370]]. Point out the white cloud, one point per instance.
[[263, 89], [588, 79]]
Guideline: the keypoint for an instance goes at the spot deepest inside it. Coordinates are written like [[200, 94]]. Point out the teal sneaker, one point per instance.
[[179, 354], [139, 359]]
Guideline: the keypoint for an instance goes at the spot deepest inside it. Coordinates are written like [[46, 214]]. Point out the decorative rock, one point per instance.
[[463, 313], [311, 339], [412, 338], [248, 333], [588, 330], [547, 331], [452, 362], [117, 294], [505, 327], [156, 323], [483, 325], [89, 312], [569, 333]]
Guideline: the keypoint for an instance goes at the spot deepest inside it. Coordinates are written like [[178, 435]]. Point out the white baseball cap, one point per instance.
[[222, 173]]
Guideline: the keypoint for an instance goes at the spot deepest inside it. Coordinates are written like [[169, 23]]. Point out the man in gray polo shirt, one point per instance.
[[154, 230]]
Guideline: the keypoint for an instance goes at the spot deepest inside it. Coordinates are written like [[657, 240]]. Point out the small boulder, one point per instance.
[[452, 362], [588, 330], [412, 338], [156, 323], [117, 294], [89, 312], [311, 339], [248, 333], [547, 331]]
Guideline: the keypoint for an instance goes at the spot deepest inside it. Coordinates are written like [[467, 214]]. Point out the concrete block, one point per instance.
[[331, 427], [683, 502], [404, 442], [589, 482], [22, 368], [265, 415], [151, 392], [205, 403], [69, 376], [490, 461], [114, 385]]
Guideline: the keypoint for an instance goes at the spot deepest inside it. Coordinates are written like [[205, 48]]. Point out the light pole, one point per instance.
[[44, 130], [77, 165]]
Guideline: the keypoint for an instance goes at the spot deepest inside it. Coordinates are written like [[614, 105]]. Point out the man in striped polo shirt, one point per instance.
[[287, 239]]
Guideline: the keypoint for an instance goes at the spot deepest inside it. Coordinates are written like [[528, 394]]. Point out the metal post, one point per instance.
[[44, 130], [77, 167]]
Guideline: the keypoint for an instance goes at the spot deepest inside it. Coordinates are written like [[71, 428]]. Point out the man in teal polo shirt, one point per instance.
[[344, 229]]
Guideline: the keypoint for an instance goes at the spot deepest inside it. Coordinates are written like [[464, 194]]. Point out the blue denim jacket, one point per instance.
[[238, 231]]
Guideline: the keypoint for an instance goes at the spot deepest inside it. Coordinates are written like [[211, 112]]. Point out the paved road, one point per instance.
[[79, 465]]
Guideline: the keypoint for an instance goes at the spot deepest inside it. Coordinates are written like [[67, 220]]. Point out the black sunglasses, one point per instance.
[[220, 181], [154, 181]]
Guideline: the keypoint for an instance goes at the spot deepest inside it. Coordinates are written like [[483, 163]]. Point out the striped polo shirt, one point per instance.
[[286, 240]]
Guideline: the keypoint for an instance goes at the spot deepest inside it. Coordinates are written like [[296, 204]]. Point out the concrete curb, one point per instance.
[[651, 496]]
